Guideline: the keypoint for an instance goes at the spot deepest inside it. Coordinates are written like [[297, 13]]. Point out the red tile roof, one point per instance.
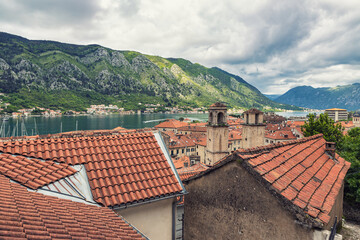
[[190, 128], [32, 215], [253, 110], [234, 135], [281, 135], [181, 141], [33, 173], [121, 169], [187, 172], [347, 124], [295, 123], [218, 104], [179, 163], [171, 123], [302, 172]]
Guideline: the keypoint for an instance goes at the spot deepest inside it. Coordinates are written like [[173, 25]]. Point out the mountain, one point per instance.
[[272, 96], [58, 75], [347, 97]]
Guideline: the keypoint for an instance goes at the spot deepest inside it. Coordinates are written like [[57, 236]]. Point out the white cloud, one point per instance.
[[274, 45]]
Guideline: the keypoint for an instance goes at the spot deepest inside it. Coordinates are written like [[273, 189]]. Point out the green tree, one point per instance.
[[350, 150], [332, 132]]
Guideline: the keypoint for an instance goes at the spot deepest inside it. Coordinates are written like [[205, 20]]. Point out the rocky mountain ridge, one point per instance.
[[346, 97], [53, 66]]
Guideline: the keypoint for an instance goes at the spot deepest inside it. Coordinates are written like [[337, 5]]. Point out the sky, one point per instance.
[[274, 45]]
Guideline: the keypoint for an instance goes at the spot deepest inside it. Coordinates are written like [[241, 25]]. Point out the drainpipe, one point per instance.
[[174, 213]]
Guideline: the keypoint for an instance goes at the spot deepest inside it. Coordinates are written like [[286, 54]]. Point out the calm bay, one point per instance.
[[39, 125], [48, 125]]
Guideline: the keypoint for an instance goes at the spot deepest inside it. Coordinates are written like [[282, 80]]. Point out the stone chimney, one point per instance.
[[330, 148]]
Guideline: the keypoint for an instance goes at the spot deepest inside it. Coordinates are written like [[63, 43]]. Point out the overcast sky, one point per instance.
[[274, 45]]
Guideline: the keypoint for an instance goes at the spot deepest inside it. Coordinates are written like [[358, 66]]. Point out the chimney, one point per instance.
[[330, 149]]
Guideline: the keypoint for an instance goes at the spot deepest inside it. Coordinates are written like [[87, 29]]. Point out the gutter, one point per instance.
[[147, 201]]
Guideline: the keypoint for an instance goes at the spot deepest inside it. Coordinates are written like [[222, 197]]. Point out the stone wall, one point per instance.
[[229, 203]]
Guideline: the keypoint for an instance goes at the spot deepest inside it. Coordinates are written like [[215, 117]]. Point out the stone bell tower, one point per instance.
[[217, 134], [253, 130]]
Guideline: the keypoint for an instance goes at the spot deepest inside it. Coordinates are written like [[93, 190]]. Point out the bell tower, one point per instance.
[[217, 134], [253, 130]]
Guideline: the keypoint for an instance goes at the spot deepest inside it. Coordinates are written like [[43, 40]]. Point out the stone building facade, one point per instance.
[[253, 130], [217, 134]]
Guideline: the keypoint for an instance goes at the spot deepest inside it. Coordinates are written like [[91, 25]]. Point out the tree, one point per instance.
[[350, 150], [332, 132]]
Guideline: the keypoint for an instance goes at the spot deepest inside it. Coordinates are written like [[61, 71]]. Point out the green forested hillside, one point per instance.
[[58, 75]]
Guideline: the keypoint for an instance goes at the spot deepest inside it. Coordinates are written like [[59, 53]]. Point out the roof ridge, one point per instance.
[[277, 145], [77, 134]]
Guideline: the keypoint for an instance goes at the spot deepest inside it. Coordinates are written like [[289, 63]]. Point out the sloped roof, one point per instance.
[[187, 172], [300, 171], [121, 169], [253, 110], [347, 124], [193, 128], [33, 173], [281, 135], [31, 215], [293, 123], [179, 163], [303, 173], [171, 123], [235, 135], [218, 104], [181, 141]]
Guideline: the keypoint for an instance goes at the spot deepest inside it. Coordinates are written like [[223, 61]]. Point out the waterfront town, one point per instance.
[[178, 180], [101, 109]]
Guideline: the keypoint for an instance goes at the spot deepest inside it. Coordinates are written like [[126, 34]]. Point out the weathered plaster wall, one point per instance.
[[152, 219], [230, 204], [337, 209]]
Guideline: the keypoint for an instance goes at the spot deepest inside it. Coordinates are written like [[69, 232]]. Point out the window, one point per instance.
[[220, 118], [182, 150]]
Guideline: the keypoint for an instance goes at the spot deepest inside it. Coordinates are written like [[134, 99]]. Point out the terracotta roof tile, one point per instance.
[[187, 172], [31, 215], [171, 123], [218, 104], [302, 172], [134, 158], [281, 135], [33, 173]]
